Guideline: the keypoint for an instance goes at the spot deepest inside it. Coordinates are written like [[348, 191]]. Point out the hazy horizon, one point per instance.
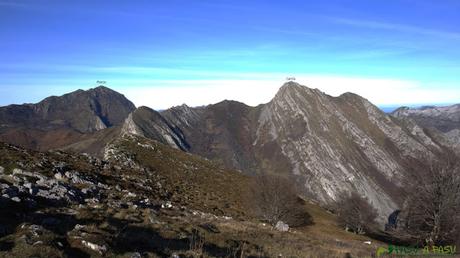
[[384, 108]]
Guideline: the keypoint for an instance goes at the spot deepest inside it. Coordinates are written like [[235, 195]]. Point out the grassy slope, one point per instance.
[[228, 190], [208, 217]]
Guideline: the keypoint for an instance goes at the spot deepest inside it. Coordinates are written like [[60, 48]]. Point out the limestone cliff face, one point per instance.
[[326, 144], [341, 144], [149, 123]]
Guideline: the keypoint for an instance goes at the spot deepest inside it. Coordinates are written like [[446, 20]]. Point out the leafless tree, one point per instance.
[[355, 213], [432, 209], [274, 199]]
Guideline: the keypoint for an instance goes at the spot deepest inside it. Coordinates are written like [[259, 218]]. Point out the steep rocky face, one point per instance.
[[84, 111], [72, 114], [149, 123], [221, 132], [339, 144], [326, 144]]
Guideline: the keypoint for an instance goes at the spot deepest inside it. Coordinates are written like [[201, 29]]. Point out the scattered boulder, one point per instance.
[[281, 226], [2, 170], [59, 176], [17, 171], [78, 227], [61, 167], [136, 255], [101, 249], [36, 230], [167, 205]]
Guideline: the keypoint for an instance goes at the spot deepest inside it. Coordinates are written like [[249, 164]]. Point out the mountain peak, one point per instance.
[[292, 89], [102, 88], [80, 110], [180, 107], [400, 111], [106, 91], [290, 85]]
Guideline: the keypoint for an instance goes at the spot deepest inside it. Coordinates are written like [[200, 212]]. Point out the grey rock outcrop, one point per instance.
[[29, 185]]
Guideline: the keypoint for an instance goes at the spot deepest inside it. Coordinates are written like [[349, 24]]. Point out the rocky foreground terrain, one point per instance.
[[145, 199], [326, 145]]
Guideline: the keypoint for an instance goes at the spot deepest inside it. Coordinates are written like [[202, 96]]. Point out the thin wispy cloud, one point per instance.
[[371, 54], [286, 31], [14, 4], [395, 27], [141, 71]]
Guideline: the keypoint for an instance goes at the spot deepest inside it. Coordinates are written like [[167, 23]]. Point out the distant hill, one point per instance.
[[445, 119], [444, 122]]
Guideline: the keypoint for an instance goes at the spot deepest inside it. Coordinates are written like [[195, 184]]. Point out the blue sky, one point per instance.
[[164, 53]]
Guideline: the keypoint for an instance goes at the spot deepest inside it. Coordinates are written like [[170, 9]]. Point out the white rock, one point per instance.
[[167, 205], [17, 171], [37, 243], [79, 227], [131, 194], [281, 226], [98, 248], [58, 176], [136, 255]]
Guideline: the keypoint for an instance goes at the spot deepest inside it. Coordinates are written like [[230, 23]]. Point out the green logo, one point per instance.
[[413, 251]]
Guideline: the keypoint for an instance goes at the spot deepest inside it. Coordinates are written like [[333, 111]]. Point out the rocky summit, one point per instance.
[[59, 121]]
